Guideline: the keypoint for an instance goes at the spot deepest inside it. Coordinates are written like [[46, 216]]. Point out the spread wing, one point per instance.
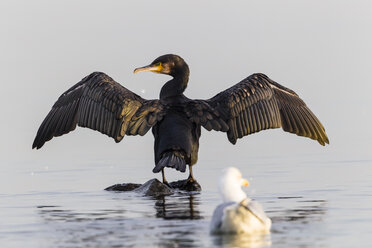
[[254, 104], [99, 103]]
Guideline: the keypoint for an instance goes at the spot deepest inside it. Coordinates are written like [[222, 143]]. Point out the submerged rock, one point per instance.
[[154, 187], [123, 187], [186, 185]]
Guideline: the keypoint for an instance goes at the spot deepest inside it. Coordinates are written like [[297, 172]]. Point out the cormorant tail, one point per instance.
[[172, 159]]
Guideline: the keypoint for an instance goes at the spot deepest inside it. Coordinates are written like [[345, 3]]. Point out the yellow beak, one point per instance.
[[245, 182], [154, 68]]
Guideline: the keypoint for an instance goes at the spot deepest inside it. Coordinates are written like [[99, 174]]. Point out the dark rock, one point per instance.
[[123, 187], [154, 187], [186, 185]]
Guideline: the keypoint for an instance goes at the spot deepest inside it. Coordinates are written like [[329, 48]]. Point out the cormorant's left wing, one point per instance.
[[254, 104]]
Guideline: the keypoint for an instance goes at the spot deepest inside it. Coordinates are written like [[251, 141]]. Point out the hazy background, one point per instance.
[[320, 49]]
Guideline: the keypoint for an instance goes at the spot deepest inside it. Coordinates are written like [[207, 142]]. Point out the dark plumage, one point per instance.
[[254, 104]]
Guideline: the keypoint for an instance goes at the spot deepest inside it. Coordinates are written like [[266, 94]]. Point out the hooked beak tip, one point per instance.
[[137, 70], [153, 68]]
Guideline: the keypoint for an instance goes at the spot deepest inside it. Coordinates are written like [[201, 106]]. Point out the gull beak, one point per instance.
[[154, 68], [245, 182]]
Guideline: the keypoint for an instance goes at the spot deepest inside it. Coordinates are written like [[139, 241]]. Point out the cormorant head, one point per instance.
[[169, 64]]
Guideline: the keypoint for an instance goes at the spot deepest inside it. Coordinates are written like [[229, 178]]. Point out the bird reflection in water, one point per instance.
[[132, 222], [176, 222], [184, 206], [242, 240]]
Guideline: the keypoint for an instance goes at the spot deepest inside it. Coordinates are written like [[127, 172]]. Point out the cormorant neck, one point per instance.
[[175, 86]]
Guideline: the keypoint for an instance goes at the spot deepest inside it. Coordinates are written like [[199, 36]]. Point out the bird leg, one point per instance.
[[191, 176], [164, 180], [190, 184]]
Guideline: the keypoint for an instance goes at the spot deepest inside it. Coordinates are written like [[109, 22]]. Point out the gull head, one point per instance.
[[230, 185]]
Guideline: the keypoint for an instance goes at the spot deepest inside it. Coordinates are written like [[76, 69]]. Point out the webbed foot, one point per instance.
[[189, 184]]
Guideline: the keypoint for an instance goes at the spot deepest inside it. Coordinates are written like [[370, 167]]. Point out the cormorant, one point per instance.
[[254, 104]]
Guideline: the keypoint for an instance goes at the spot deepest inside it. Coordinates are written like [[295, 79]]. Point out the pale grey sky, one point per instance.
[[320, 49]]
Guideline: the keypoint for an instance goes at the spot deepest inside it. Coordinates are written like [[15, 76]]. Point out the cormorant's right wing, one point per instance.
[[99, 103]]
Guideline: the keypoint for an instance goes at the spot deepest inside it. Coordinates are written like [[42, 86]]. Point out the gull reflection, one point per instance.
[[242, 240]]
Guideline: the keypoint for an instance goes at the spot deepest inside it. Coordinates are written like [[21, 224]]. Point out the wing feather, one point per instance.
[[99, 103], [255, 104]]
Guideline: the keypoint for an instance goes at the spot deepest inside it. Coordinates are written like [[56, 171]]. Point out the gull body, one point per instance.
[[238, 213]]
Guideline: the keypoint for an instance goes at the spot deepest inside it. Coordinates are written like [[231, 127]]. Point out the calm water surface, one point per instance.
[[63, 207]]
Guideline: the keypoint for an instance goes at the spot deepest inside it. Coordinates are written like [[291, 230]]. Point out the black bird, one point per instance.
[[254, 104]]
